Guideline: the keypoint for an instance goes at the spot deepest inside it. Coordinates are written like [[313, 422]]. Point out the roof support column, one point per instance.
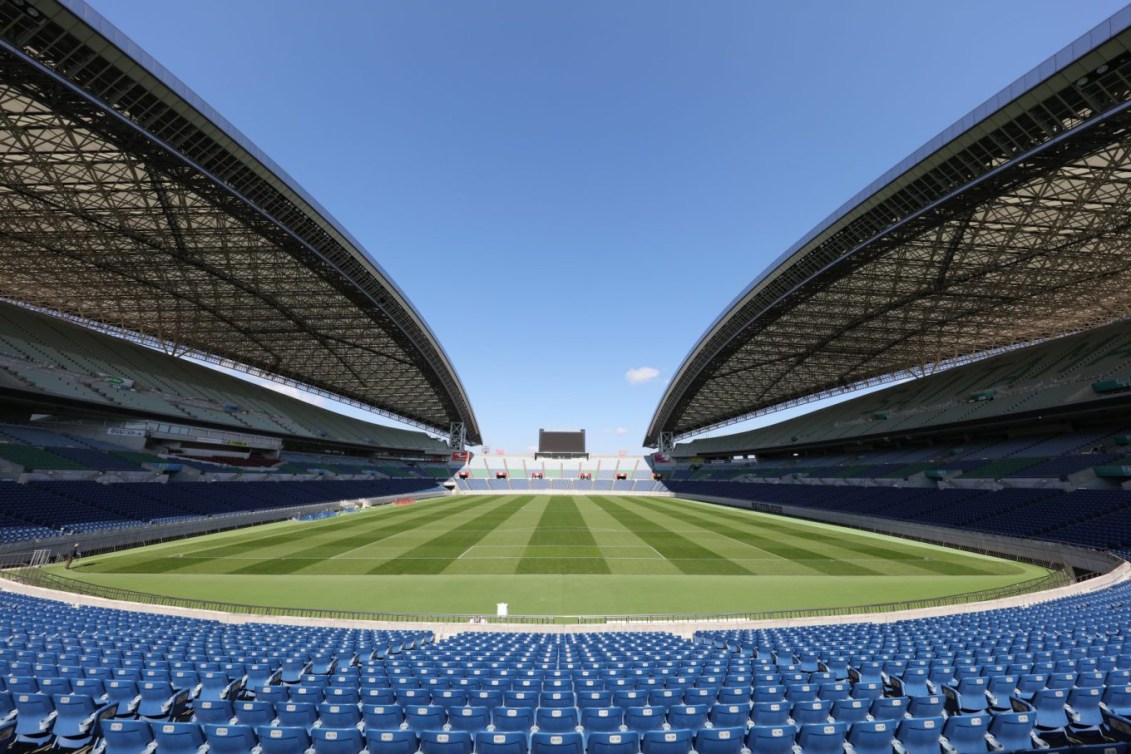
[[457, 436]]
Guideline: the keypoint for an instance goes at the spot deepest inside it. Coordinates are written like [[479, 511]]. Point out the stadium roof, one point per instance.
[[130, 205], [1008, 227]]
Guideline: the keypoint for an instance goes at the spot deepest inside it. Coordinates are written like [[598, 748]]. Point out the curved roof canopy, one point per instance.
[[1009, 227], [131, 205]]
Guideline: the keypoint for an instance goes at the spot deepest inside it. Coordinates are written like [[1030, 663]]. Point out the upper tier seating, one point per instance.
[[1090, 518], [41, 510], [48, 355]]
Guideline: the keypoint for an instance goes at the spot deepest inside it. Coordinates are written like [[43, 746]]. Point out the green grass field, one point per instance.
[[574, 555]]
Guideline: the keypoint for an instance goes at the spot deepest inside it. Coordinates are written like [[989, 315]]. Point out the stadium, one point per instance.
[[194, 562]]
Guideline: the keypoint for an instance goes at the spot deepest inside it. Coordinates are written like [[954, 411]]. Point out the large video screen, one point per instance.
[[561, 442]]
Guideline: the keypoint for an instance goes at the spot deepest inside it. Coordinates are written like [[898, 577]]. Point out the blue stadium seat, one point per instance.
[[178, 738], [850, 710], [78, 720], [918, 735], [470, 719], [690, 716], [729, 715], [807, 713], [822, 738], [160, 701], [272, 694], [445, 742], [297, 714], [425, 717], [253, 713], [283, 739], [770, 713], [218, 712], [612, 742], [334, 715], [35, 714], [556, 719], [605, 719], [719, 740], [889, 708], [125, 736], [644, 719], [513, 719], [1117, 699], [492, 742], [674, 741], [872, 736], [230, 739], [336, 740], [381, 696], [965, 734], [391, 741], [557, 743], [928, 706], [771, 739]]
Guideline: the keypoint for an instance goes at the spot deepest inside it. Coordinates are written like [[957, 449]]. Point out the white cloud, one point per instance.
[[622, 430], [641, 375]]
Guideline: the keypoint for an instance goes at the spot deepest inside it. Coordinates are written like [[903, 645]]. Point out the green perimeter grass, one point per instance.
[[599, 554]]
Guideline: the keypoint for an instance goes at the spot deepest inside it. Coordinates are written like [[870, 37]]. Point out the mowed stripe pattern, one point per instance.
[[559, 535]]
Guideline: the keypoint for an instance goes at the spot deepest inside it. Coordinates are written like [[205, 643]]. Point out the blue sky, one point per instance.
[[569, 191]]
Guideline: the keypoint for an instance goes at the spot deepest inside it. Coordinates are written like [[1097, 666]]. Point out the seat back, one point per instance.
[[931, 705], [230, 739], [544, 742], [556, 719], [602, 719], [1048, 704], [215, 711], [643, 719], [33, 712], [719, 740], [822, 738], [612, 742], [674, 741], [692, 716], [126, 736], [1085, 703], [889, 708], [382, 716], [920, 735], [513, 718], [490, 742], [445, 742], [178, 738], [816, 711], [391, 741], [336, 740], [771, 739], [1013, 730], [967, 733], [469, 718], [283, 739], [872, 736], [849, 710], [302, 714]]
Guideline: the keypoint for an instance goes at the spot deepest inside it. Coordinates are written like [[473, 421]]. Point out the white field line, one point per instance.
[[340, 555], [705, 529]]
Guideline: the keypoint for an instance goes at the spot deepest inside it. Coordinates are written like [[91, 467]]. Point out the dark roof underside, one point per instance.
[[123, 205], [1013, 230]]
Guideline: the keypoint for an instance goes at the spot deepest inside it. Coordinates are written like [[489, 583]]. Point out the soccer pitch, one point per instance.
[[551, 555]]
